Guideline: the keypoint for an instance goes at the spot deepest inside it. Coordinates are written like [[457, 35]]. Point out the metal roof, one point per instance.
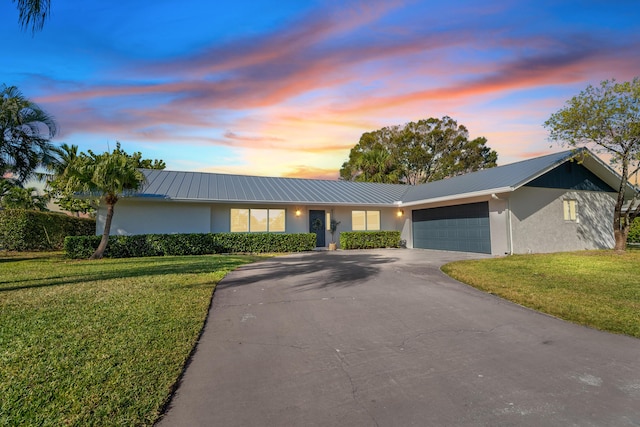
[[199, 186], [215, 187], [487, 181]]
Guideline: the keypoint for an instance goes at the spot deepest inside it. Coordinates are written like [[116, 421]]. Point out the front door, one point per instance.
[[317, 225]]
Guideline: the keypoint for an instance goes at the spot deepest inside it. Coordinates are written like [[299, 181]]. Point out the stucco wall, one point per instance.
[[132, 217], [141, 217], [538, 220], [220, 217]]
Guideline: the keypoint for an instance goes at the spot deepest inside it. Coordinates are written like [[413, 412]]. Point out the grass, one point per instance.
[[600, 289], [98, 342]]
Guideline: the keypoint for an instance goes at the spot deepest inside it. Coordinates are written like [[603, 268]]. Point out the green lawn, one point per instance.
[[600, 289], [98, 342]]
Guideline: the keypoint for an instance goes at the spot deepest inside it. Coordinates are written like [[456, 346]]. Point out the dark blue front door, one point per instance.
[[317, 225]]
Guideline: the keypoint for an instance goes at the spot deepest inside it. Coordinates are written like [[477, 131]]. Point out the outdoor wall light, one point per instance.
[[298, 212], [400, 213]]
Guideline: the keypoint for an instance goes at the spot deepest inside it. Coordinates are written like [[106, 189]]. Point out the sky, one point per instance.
[[287, 88]]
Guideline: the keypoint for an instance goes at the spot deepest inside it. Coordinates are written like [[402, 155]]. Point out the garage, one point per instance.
[[463, 228]]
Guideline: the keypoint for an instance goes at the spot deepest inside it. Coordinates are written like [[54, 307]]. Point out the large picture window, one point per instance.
[[258, 220], [365, 220]]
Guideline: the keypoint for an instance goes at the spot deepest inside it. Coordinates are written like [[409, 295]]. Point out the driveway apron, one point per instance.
[[384, 338]]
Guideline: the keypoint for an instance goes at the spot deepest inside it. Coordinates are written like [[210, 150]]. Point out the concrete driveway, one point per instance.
[[383, 338]]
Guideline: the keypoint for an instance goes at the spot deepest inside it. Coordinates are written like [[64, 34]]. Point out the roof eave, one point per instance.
[[474, 194], [269, 202]]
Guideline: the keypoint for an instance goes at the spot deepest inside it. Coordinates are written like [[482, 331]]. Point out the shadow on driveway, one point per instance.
[[311, 270]]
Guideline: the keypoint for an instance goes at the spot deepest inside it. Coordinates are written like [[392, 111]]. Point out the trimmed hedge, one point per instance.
[[23, 230], [143, 245], [369, 239], [634, 232]]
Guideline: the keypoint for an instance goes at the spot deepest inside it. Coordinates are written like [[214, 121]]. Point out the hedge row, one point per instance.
[[634, 232], [189, 244], [369, 239], [23, 230]]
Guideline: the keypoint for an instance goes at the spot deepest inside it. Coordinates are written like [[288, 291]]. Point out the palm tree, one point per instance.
[[108, 176], [25, 132], [65, 158], [33, 13], [23, 198]]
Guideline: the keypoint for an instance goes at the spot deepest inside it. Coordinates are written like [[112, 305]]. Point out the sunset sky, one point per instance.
[[286, 88]]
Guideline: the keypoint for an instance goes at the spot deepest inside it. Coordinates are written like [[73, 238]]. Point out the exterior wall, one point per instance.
[[135, 217], [142, 217], [498, 221], [389, 220], [538, 224], [221, 216], [221, 220]]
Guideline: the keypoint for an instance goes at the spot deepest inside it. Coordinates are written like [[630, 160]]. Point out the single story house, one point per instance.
[[545, 204]]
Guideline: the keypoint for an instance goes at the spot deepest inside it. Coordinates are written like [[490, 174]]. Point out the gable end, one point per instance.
[[571, 176]]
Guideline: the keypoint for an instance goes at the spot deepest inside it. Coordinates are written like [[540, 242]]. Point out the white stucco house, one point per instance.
[[551, 203]]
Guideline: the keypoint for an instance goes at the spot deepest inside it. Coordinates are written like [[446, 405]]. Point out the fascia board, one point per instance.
[[459, 196], [253, 202]]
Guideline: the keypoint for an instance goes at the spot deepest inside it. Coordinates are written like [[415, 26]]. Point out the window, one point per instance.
[[358, 220], [328, 221], [276, 220], [257, 220], [365, 220], [239, 220], [569, 207], [373, 220]]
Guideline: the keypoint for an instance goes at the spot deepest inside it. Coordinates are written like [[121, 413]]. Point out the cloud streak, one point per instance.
[[317, 80]]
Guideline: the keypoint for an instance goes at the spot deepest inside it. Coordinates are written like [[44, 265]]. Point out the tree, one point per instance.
[[64, 160], [62, 165], [606, 119], [139, 161], [25, 132], [33, 13], [107, 176], [17, 197], [417, 152]]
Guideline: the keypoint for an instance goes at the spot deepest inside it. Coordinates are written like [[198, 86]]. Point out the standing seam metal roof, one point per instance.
[[199, 186]]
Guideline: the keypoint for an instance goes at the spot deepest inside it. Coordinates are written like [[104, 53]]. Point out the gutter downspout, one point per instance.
[[509, 226]]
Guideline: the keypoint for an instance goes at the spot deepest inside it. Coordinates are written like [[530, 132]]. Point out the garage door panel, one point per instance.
[[453, 228]]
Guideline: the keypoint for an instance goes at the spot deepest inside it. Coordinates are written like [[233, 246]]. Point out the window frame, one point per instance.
[[366, 215], [570, 210], [250, 224]]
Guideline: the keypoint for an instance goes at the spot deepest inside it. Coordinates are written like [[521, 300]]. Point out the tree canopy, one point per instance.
[[606, 119], [25, 134], [13, 196], [417, 152], [107, 177], [61, 168]]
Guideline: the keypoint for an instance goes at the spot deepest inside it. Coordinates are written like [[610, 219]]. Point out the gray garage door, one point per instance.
[[453, 228]]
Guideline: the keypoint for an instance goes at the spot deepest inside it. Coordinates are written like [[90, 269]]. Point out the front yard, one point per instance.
[[600, 289], [98, 342], [103, 342]]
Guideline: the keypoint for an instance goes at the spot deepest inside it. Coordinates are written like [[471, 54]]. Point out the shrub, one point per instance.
[[190, 244], [634, 231], [369, 239], [24, 230]]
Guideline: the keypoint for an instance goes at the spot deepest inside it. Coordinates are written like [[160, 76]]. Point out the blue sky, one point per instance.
[[287, 88]]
